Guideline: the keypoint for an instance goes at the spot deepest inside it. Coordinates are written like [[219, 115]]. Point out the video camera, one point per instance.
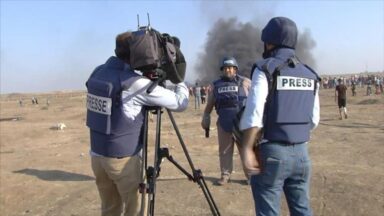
[[157, 55]]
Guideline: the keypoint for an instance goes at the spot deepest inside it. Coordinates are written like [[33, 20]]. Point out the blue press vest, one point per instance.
[[112, 133], [229, 97], [288, 112]]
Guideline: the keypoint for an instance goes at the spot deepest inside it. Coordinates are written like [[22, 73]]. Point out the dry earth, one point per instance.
[[47, 172]]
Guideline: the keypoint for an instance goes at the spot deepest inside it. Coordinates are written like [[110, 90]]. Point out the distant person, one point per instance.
[[325, 83], [227, 97], [190, 89], [281, 112], [369, 86], [353, 88], [360, 81], [203, 93], [341, 98], [116, 129], [377, 86], [20, 102], [34, 100], [197, 94]]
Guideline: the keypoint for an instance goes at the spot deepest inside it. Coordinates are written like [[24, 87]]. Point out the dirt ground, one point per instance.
[[47, 172]]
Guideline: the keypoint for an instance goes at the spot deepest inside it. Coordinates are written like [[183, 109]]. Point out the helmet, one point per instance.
[[280, 31], [229, 61]]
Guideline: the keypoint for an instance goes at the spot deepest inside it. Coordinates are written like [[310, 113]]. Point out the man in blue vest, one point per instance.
[[282, 108], [228, 96], [115, 115]]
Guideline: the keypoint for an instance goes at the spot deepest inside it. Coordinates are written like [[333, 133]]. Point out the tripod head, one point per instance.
[[157, 77]]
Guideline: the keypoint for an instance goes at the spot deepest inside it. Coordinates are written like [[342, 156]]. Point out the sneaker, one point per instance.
[[223, 180], [346, 116]]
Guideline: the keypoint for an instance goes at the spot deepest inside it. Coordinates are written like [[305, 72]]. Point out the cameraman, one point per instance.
[[115, 115]]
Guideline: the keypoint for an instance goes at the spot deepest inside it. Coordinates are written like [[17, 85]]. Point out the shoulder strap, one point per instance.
[[125, 85], [291, 62], [272, 83], [93, 73], [276, 73], [239, 80], [253, 69]]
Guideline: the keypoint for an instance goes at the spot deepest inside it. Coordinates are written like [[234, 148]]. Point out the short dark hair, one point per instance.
[[122, 46]]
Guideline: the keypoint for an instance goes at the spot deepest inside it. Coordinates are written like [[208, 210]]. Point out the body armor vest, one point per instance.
[[289, 107], [112, 133], [230, 96]]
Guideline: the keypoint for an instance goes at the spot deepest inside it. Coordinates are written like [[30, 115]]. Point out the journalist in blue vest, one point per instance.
[[281, 110], [115, 116], [228, 96]]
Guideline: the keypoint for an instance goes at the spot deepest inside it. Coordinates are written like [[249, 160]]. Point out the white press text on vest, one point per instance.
[[294, 83], [99, 104]]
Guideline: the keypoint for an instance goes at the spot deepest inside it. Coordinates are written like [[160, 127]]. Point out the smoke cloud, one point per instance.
[[229, 37]]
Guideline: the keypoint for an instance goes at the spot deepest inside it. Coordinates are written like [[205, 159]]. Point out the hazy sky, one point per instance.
[[55, 45]]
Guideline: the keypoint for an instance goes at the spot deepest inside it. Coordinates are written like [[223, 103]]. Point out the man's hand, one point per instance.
[[250, 161], [249, 153], [206, 121]]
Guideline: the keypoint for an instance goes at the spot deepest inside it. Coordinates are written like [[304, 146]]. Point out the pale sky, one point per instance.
[[54, 45]]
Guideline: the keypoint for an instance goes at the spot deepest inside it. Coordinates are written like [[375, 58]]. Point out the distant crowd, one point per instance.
[[354, 81]]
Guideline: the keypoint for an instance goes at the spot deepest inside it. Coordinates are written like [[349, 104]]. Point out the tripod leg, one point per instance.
[[153, 171], [198, 177], [197, 174], [143, 185], [207, 193]]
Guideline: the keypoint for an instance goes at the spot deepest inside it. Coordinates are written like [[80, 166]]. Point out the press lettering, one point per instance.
[[226, 89], [99, 104], [298, 82], [294, 83], [285, 81]]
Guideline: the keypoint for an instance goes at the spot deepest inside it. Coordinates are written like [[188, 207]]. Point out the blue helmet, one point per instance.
[[229, 61], [280, 31]]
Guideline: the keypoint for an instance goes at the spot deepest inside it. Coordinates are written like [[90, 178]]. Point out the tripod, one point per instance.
[[152, 172]]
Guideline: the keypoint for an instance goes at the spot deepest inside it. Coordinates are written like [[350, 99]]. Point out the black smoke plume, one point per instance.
[[242, 41]]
